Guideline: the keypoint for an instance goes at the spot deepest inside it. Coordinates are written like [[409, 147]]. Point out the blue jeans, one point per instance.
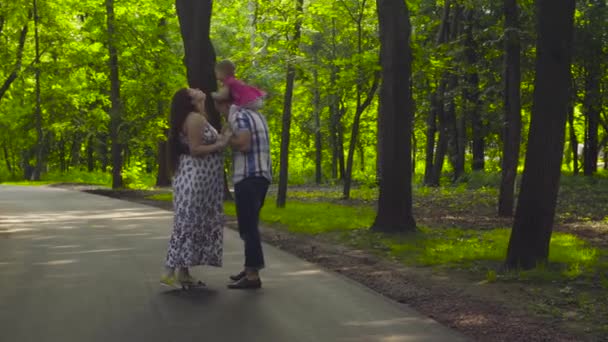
[[249, 197]]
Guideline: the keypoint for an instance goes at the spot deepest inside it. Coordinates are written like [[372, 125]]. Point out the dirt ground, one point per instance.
[[484, 313]]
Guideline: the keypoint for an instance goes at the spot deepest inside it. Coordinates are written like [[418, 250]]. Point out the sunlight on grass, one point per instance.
[[482, 250], [133, 179], [161, 197], [569, 256], [29, 183], [313, 218]]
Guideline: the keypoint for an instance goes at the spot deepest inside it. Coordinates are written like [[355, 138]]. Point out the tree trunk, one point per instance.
[[438, 109], [471, 95], [162, 177], [7, 159], [594, 59], [340, 147], [395, 119], [431, 130], [194, 21], [62, 158], [532, 228], [454, 138], [285, 134], [116, 109], [75, 151], [317, 121], [592, 108], [573, 139], [512, 112], [361, 107], [18, 61], [38, 110], [90, 151]]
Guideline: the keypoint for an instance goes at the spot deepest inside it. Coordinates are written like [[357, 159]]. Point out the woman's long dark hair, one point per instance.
[[181, 106]]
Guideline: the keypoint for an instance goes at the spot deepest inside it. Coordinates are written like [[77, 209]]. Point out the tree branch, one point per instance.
[[371, 93], [13, 75], [350, 12]]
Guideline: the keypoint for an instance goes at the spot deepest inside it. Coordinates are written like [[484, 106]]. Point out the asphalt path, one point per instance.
[[80, 267]]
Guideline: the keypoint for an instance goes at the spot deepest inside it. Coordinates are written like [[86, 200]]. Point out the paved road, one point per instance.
[[79, 267]]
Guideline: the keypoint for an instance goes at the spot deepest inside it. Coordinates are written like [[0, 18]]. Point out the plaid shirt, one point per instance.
[[256, 162]]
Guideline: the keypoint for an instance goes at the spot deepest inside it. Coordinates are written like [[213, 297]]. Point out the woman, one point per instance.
[[196, 162]]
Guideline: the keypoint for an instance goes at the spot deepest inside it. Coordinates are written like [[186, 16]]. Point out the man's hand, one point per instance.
[[241, 141]]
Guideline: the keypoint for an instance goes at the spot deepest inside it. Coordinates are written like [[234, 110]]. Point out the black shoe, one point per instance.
[[244, 284], [238, 277]]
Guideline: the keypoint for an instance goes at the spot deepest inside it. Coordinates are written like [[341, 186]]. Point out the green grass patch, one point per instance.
[[28, 183], [168, 197], [313, 217], [133, 178]]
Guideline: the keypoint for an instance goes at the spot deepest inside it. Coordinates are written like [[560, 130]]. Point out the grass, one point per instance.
[[478, 250], [133, 179], [313, 217], [571, 288]]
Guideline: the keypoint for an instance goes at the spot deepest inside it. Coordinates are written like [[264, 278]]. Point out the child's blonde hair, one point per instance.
[[227, 67]]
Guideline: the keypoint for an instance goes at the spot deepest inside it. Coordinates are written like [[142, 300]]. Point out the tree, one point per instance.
[[38, 110], [362, 103], [195, 21], [116, 110], [532, 228], [395, 119], [591, 35], [287, 105], [512, 109], [16, 69]]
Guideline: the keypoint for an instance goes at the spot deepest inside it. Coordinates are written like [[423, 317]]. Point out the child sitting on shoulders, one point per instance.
[[242, 94]]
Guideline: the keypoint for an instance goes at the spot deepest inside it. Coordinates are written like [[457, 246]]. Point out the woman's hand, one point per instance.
[[222, 140]]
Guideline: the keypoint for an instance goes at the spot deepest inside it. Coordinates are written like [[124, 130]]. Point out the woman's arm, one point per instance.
[[195, 124]]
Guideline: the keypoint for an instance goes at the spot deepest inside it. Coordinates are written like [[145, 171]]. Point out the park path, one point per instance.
[[80, 267]]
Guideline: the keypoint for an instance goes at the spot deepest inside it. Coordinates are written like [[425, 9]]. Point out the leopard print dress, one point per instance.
[[198, 185]]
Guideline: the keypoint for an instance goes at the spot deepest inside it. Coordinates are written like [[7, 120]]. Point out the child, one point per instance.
[[241, 93]]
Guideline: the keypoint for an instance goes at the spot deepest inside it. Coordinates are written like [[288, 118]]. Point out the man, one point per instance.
[[252, 176]]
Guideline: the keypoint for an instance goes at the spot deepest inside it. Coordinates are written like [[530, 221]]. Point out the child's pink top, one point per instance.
[[241, 92]]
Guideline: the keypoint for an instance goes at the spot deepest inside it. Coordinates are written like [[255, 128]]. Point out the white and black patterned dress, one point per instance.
[[198, 235]]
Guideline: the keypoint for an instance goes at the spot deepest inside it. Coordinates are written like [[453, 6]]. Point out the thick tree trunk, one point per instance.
[[116, 109], [512, 112], [287, 104], [532, 228], [194, 21], [395, 119]]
